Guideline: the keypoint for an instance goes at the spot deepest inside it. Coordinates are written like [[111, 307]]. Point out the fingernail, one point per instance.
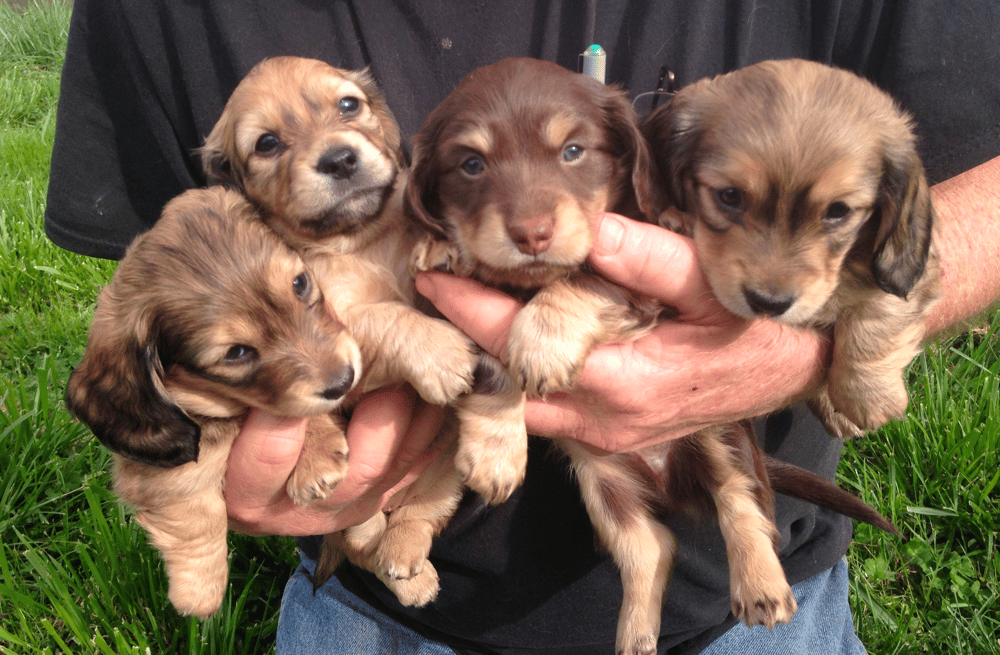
[[425, 285], [610, 234]]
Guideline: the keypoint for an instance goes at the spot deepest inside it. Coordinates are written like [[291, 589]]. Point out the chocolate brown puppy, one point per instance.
[[508, 174]]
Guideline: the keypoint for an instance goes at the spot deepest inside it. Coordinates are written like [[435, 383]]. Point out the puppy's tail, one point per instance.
[[805, 485]]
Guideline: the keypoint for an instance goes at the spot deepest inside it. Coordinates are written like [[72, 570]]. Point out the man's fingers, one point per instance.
[[483, 313], [654, 262], [374, 435]]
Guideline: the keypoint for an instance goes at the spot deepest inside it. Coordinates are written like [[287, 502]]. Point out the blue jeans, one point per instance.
[[335, 621]]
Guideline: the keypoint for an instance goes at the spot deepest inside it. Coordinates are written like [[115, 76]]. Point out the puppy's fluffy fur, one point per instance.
[[802, 188], [208, 315], [508, 173], [318, 153]]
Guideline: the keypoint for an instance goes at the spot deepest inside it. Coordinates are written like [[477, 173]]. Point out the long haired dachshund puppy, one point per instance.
[[802, 188], [208, 315], [317, 152], [508, 173]]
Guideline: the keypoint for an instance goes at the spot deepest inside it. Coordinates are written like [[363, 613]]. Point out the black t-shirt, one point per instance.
[[145, 81]]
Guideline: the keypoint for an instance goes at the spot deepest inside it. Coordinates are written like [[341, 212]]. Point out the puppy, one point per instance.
[[208, 315], [508, 173], [802, 188], [317, 152]]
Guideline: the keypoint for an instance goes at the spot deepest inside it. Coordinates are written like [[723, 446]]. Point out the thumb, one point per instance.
[[652, 261], [265, 451]]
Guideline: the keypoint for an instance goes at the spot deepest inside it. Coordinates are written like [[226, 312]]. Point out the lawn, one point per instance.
[[76, 575]]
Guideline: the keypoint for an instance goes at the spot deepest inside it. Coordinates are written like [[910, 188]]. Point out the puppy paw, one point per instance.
[[322, 462], [431, 254], [871, 404], [764, 601], [543, 354], [644, 645], [493, 466], [444, 369], [418, 590], [307, 488]]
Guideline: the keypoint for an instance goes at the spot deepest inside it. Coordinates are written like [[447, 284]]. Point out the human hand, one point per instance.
[[705, 367], [390, 440]]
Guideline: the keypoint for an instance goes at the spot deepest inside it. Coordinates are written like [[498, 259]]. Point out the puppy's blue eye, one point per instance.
[[267, 144], [836, 213], [473, 166], [349, 105], [730, 199], [301, 286], [572, 152], [240, 354]]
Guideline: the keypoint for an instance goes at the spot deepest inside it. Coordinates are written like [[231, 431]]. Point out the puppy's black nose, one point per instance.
[[338, 163], [339, 383], [767, 305]]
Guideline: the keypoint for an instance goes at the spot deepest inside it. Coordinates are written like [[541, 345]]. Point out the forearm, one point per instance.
[[968, 240]]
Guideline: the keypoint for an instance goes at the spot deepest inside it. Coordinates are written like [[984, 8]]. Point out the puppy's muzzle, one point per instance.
[[339, 383], [339, 163], [767, 304]]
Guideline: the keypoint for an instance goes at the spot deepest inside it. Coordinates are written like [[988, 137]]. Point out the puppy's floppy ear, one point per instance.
[[420, 201], [390, 128], [218, 156], [906, 218], [673, 134], [117, 390], [622, 125]]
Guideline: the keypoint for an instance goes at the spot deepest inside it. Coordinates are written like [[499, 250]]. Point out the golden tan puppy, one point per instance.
[[208, 315], [804, 194], [318, 153], [508, 174]]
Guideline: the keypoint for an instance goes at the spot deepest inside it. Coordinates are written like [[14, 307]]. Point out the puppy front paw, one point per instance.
[[870, 403], [445, 366], [322, 462], [307, 487], [431, 254], [543, 354], [316, 475]]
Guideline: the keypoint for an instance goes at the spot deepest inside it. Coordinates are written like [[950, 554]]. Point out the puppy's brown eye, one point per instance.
[[836, 213], [240, 354], [349, 105], [730, 199], [301, 286], [473, 166], [572, 152], [267, 144]]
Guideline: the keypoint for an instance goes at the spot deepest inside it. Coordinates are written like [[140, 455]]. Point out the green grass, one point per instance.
[[77, 576], [937, 476]]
